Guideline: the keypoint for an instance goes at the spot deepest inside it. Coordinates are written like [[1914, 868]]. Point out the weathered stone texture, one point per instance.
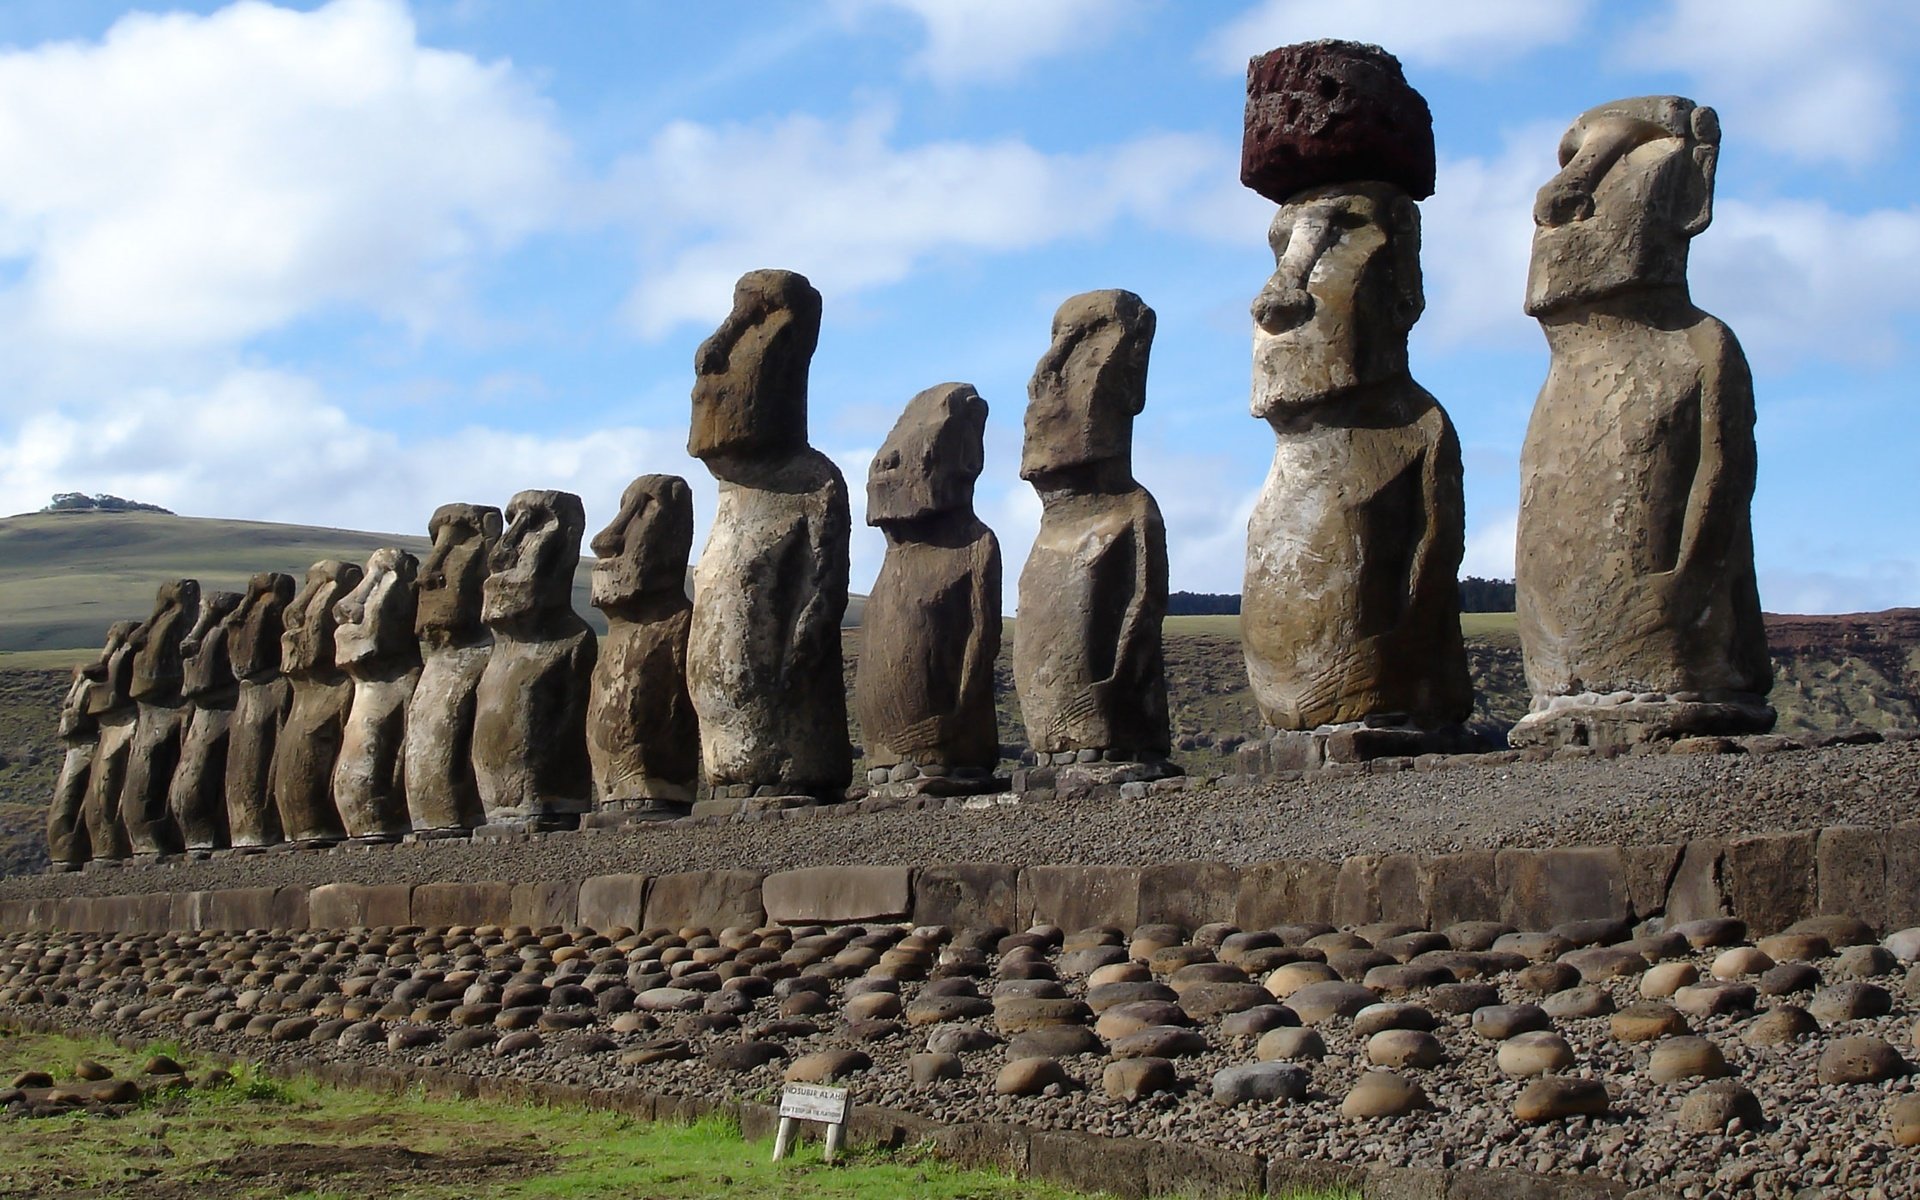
[[197, 796], [966, 894], [442, 794], [376, 646], [1542, 888], [436, 905], [254, 632], [1074, 897], [110, 705], [161, 721], [1770, 880], [309, 740], [67, 842], [713, 899], [1333, 112]]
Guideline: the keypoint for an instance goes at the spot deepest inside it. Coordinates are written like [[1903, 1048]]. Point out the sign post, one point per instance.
[[812, 1102]]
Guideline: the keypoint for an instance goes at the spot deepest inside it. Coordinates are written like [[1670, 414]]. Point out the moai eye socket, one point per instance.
[[1570, 143]]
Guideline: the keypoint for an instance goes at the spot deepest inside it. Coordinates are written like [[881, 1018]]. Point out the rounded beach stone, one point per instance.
[[1541, 1052], [1131, 1079], [934, 1010], [1399, 979], [1264, 1081], [1109, 995], [1557, 1097], [1252, 1022], [874, 1006], [1780, 1026], [1209, 1001], [516, 1043], [1404, 1048], [1662, 981], [1712, 1107], [1476, 935], [823, 1066], [1795, 947], [1863, 962], [1597, 964], [1785, 979], [1290, 1043], [1329, 1000], [1132, 1017], [1588, 1001], [1686, 1058], [1205, 972], [1904, 944], [929, 1067], [1498, 1022], [1850, 1002], [1019, 1014], [1540, 947], [1646, 1021], [960, 1039], [1382, 1094], [1544, 979], [1375, 1018], [1740, 961], [1030, 1077], [1126, 972], [1859, 1060], [1712, 933], [737, 1057], [1058, 1041], [1159, 1041], [1287, 980], [1840, 929], [1714, 998], [1903, 1120], [1459, 999]]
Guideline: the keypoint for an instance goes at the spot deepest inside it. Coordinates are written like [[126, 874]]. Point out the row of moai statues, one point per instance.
[[1639, 616]]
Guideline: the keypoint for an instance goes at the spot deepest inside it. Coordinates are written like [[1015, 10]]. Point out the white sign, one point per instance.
[[813, 1102]]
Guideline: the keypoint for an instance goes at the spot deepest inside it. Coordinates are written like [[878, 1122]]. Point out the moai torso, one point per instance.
[[253, 635], [374, 644], [642, 733], [1087, 658], [1635, 553], [158, 674], [67, 844], [923, 689], [198, 796], [442, 797], [309, 742], [110, 705], [530, 728], [763, 657]]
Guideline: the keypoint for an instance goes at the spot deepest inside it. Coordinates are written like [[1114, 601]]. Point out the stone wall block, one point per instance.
[[1903, 875], [1356, 891], [1542, 888], [1074, 897], [1086, 1163], [609, 902], [438, 905], [1285, 891], [1189, 894], [236, 910], [967, 894], [290, 908], [1650, 875], [1459, 887], [837, 894], [1770, 880], [1401, 897], [1174, 1169], [1699, 886], [713, 899], [1850, 872], [541, 903], [344, 905]]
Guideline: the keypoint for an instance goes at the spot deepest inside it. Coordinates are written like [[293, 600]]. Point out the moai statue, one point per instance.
[[1639, 615], [158, 673], [309, 742], [67, 845], [763, 657], [374, 643], [1350, 615], [642, 733], [1087, 660], [254, 633], [442, 798], [198, 796], [110, 705], [924, 686], [530, 727]]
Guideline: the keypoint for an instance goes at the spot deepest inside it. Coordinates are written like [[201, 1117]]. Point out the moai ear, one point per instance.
[[491, 524], [1696, 210], [1410, 299]]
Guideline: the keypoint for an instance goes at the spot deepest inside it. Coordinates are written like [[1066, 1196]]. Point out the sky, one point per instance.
[[339, 263]]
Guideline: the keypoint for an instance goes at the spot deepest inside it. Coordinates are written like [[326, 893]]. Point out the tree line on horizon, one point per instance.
[[1477, 595]]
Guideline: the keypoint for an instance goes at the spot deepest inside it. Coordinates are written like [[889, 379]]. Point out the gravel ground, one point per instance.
[[1471, 804], [1811, 1134]]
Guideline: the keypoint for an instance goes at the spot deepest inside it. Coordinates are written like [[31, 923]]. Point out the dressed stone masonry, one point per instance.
[[197, 798], [158, 674], [923, 689], [1638, 611], [530, 725], [1351, 613], [309, 743], [254, 633], [376, 647], [1087, 659], [763, 655], [642, 732], [443, 798]]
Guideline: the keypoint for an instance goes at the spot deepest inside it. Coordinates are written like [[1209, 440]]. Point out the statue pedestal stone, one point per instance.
[[1071, 773], [1351, 742], [906, 780], [1623, 720]]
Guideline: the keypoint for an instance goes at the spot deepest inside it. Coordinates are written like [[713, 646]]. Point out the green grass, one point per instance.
[[45, 660]]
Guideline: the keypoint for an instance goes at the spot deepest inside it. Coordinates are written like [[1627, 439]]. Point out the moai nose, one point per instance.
[[1562, 204]]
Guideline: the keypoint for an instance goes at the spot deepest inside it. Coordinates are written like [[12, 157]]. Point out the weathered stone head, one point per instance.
[[455, 573], [1635, 186], [1089, 385], [1331, 112], [1344, 293], [208, 665], [534, 560], [644, 549], [254, 629], [112, 673], [76, 710], [375, 620], [929, 463], [750, 389], [307, 644], [158, 669]]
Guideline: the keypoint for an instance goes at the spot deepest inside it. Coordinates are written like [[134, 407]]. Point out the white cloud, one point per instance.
[[1482, 34], [1490, 546], [1476, 238], [844, 205], [1815, 79], [193, 180], [972, 41], [1870, 587]]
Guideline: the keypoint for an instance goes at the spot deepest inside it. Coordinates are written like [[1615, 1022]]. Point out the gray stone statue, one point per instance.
[[254, 632], [1639, 615], [642, 732], [198, 796], [158, 674], [67, 844], [1086, 649], [309, 742], [110, 705], [1350, 612], [924, 686], [530, 728], [374, 644], [442, 798], [763, 656]]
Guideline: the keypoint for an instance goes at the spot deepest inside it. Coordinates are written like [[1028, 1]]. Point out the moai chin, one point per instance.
[[1087, 659], [254, 630], [642, 733], [763, 655], [443, 800], [309, 741], [67, 845], [158, 673], [1350, 613], [1639, 615], [530, 726], [374, 643], [923, 689], [110, 706], [197, 798]]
